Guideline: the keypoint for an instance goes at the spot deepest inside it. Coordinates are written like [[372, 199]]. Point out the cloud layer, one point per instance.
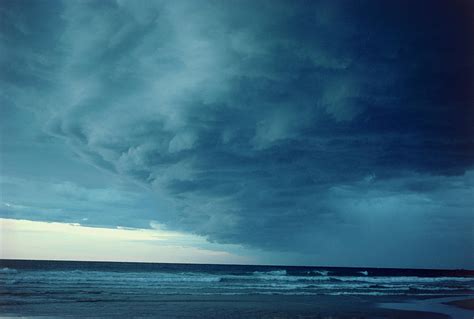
[[279, 125]]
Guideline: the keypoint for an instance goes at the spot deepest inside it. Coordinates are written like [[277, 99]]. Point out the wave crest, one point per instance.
[[7, 270]]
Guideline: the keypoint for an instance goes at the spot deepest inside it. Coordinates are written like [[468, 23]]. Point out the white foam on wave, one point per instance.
[[173, 277], [179, 278], [7, 270], [280, 277], [270, 273]]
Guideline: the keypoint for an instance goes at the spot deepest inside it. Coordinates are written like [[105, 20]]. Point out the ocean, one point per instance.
[[23, 281]]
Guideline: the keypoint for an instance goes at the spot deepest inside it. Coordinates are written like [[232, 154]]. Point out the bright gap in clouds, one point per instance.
[[24, 239]]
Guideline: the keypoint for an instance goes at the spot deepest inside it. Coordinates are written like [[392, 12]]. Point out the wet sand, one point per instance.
[[467, 304], [449, 306], [258, 306]]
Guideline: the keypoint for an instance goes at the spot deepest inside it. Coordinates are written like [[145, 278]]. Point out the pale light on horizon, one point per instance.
[[25, 239]]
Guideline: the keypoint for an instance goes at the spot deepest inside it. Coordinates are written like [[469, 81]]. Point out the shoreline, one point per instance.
[[464, 304], [250, 306], [454, 307]]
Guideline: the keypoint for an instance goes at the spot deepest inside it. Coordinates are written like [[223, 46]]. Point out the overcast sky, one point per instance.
[[296, 132]]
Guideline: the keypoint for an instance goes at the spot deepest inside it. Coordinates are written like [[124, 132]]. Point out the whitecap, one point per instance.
[[7, 270]]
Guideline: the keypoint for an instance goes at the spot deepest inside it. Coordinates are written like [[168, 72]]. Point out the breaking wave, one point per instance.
[[122, 281], [7, 270]]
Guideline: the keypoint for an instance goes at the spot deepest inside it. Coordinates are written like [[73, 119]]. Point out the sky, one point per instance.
[[273, 132]]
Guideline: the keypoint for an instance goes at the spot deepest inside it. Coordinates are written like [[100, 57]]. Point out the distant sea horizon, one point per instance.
[[239, 264]]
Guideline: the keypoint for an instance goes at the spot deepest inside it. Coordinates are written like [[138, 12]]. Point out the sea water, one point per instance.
[[23, 282]]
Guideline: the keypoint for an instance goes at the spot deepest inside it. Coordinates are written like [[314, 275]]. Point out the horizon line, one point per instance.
[[234, 264]]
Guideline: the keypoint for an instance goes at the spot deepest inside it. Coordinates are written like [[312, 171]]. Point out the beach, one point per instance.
[[231, 307]]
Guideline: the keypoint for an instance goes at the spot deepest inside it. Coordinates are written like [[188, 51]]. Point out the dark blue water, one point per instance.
[[34, 281]]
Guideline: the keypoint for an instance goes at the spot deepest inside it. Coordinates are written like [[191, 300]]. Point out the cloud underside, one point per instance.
[[272, 124]]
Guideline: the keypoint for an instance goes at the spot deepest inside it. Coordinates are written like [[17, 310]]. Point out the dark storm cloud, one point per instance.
[[274, 124]]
